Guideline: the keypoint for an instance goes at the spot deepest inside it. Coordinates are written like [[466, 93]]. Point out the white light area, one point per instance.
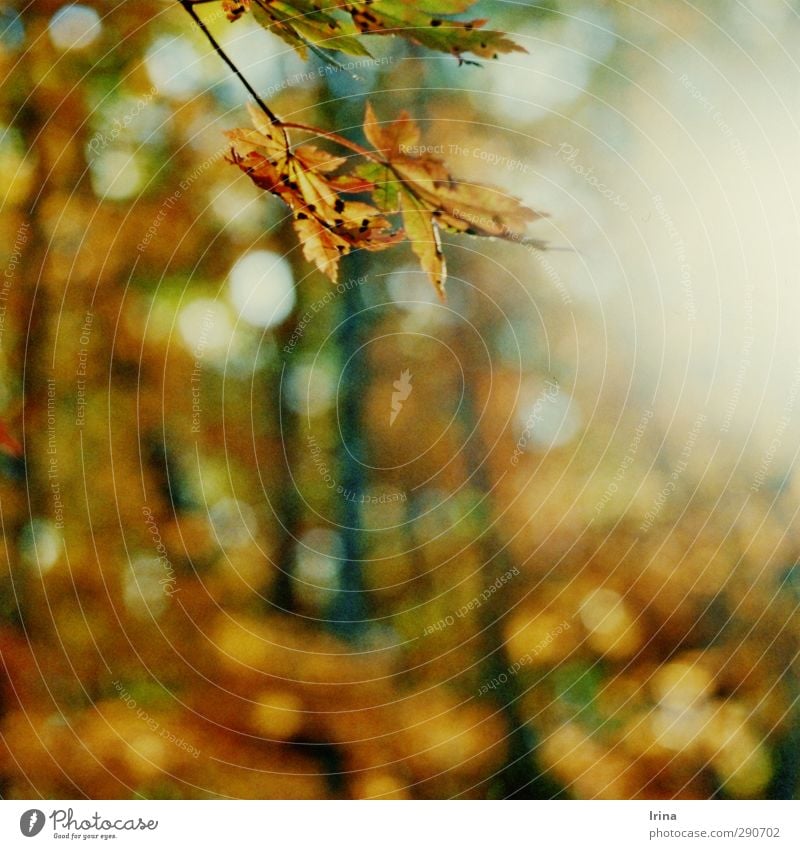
[[547, 419], [145, 586], [755, 21], [262, 288], [74, 27], [602, 611], [562, 56], [242, 209], [696, 287], [410, 289], [263, 58], [116, 175], [679, 729], [150, 126], [234, 523], [175, 67], [318, 557], [128, 119], [202, 134], [311, 387], [40, 544], [206, 326]]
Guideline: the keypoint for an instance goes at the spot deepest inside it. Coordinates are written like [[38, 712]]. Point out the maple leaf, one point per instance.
[[328, 225], [234, 9], [423, 23], [421, 230], [429, 198], [305, 25], [416, 187], [333, 25]]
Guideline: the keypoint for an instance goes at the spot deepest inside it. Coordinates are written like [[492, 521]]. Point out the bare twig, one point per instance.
[[189, 6], [335, 137]]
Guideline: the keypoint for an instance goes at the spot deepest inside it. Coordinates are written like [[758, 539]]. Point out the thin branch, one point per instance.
[[335, 137], [189, 6]]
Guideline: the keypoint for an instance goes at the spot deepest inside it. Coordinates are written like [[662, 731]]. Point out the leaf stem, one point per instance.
[[189, 6], [335, 137]]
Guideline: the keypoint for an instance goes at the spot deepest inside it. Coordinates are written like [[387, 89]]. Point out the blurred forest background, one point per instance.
[[562, 561]]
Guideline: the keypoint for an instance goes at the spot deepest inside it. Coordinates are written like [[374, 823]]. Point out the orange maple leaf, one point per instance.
[[329, 225]]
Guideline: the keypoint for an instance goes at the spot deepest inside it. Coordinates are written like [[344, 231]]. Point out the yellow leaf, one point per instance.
[[423, 233], [391, 140]]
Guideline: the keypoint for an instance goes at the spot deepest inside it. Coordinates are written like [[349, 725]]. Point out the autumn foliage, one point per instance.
[[335, 26], [277, 538], [319, 188], [375, 198]]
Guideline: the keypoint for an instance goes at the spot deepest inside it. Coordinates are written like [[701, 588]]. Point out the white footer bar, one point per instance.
[[401, 825]]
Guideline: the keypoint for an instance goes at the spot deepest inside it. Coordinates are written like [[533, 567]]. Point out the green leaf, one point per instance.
[[335, 25], [300, 25], [386, 193], [425, 25], [423, 233]]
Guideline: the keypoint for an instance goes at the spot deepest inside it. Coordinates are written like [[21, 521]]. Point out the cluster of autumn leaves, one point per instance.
[[374, 198], [336, 24], [323, 191]]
